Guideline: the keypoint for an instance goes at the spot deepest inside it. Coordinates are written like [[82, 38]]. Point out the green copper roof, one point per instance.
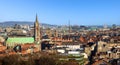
[[20, 40]]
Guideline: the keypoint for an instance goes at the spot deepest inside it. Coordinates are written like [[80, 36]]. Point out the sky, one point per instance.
[[60, 12]]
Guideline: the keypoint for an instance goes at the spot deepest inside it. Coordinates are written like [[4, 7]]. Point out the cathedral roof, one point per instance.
[[20, 40]]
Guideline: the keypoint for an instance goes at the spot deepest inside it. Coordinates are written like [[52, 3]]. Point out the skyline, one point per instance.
[[59, 12]]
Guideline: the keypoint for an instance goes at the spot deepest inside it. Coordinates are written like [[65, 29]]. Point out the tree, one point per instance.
[[46, 60]]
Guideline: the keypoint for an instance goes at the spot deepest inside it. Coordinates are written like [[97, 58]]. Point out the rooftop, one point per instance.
[[20, 40]]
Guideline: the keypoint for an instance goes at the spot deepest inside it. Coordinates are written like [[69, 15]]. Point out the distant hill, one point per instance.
[[12, 23]]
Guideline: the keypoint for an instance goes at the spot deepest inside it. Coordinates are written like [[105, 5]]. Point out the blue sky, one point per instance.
[[79, 12]]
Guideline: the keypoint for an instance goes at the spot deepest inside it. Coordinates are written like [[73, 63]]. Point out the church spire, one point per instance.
[[36, 18], [37, 30]]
